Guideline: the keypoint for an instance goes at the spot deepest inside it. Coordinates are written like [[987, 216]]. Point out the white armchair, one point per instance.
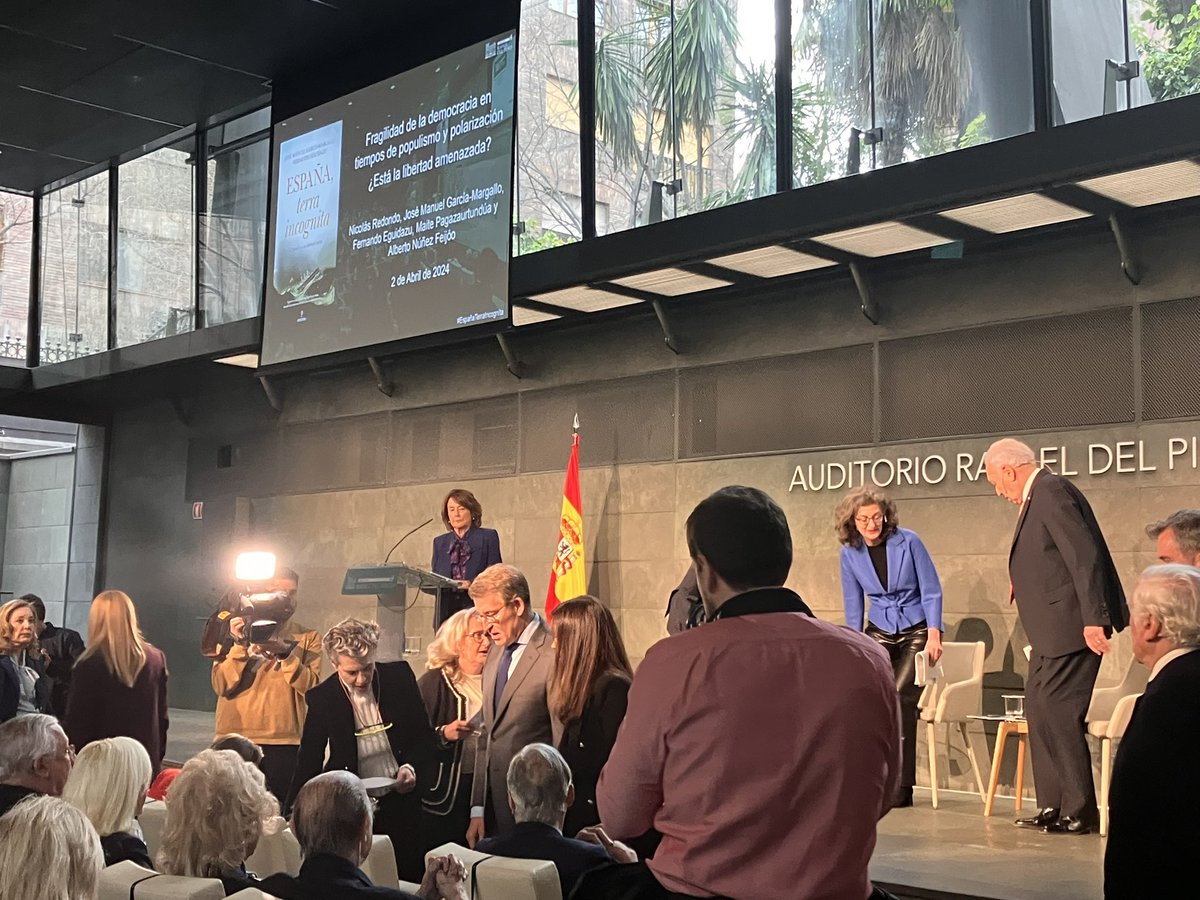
[[949, 700], [501, 878], [1107, 717]]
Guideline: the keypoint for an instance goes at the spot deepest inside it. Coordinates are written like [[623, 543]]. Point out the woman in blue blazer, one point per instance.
[[465, 550], [890, 568]]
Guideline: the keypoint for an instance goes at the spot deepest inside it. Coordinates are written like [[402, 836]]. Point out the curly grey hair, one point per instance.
[[1171, 594], [353, 638]]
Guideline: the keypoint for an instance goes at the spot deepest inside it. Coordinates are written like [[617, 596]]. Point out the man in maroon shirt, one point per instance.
[[764, 745]]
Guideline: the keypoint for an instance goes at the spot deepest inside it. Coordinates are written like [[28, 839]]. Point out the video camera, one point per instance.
[[259, 616]]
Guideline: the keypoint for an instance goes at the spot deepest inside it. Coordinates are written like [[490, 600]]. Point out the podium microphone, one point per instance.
[[405, 538]]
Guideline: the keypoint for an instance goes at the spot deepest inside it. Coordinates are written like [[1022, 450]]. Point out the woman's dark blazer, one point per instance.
[[586, 744], [485, 551], [100, 706], [444, 705], [330, 723], [10, 686]]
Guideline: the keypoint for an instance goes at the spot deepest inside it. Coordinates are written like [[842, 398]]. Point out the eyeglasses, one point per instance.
[[492, 617], [378, 728], [481, 637], [876, 519]]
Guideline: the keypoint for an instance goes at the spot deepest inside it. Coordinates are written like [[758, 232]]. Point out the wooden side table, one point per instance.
[[1006, 726]]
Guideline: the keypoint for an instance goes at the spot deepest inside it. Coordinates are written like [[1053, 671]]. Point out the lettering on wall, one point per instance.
[[1099, 459]]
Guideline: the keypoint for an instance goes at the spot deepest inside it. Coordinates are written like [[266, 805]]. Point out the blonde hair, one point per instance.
[[109, 783], [48, 851], [114, 635], [442, 652], [217, 808], [6, 630], [353, 638]]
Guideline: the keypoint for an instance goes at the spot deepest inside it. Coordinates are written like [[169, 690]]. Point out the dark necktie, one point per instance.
[[502, 673]]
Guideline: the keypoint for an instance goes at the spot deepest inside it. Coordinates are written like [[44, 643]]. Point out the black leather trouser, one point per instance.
[[903, 647]]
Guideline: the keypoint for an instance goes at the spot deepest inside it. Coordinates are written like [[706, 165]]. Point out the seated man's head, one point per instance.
[[48, 850], [241, 745], [501, 597], [35, 754], [1177, 537], [216, 809], [333, 815], [539, 786], [1164, 612], [738, 538]]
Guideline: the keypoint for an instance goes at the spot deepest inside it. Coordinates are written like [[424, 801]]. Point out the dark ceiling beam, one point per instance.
[[1067, 153]]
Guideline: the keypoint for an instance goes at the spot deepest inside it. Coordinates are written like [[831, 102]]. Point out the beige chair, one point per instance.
[[118, 880], [179, 887], [152, 820], [1109, 731], [500, 878], [251, 894], [949, 700], [278, 852], [380, 864]]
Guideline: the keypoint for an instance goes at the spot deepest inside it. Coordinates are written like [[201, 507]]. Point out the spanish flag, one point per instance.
[[567, 578]]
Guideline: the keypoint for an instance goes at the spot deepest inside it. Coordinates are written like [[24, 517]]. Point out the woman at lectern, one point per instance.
[[465, 550], [887, 569]]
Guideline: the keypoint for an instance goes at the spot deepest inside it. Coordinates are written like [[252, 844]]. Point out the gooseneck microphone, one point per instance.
[[405, 538]]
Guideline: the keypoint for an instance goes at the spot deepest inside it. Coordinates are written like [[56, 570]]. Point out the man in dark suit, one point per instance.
[[332, 821], [1153, 826], [539, 793], [1070, 600], [515, 679], [1177, 537]]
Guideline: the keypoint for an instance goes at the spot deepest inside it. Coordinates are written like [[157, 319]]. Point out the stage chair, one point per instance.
[[500, 878], [117, 881], [152, 821], [1109, 731], [380, 864], [949, 700], [278, 852]]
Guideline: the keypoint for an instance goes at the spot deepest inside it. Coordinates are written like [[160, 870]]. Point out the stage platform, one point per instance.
[[953, 851], [922, 853]]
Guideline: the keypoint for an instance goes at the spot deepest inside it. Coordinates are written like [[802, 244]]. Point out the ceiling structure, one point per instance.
[[82, 83]]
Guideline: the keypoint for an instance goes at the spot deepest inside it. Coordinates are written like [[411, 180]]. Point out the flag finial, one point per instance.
[[575, 426]]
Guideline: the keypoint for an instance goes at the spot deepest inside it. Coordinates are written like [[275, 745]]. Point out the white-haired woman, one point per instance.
[[108, 785], [370, 718], [119, 685], [48, 851], [452, 689], [217, 809]]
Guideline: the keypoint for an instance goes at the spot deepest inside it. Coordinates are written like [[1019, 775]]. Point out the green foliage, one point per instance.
[[535, 238], [1169, 35], [975, 133]]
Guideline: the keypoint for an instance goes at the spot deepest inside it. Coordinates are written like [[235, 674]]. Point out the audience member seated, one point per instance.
[[23, 685], [216, 811], [61, 647], [48, 851], [332, 818], [764, 745], [108, 785], [539, 794], [35, 758], [120, 682], [239, 744], [1153, 827]]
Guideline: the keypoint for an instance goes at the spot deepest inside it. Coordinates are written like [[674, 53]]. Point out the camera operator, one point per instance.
[[260, 687]]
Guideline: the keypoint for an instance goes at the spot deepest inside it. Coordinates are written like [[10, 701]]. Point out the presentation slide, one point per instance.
[[391, 210]]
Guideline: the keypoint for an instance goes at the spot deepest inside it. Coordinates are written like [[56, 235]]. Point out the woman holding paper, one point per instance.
[[887, 570], [452, 689]]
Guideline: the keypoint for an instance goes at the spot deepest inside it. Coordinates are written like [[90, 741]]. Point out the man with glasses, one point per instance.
[[35, 758], [515, 680]]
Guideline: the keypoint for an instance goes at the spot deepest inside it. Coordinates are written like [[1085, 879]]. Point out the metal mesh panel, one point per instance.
[[334, 454], [816, 399], [628, 420], [1170, 355], [1060, 372], [455, 441]]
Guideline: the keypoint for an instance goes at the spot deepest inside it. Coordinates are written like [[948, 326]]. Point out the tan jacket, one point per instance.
[[263, 699]]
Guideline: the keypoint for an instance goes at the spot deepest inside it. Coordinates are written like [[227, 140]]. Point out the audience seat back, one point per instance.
[[500, 878], [252, 894], [153, 819], [278, 852], [178, 887], [117, 881]]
